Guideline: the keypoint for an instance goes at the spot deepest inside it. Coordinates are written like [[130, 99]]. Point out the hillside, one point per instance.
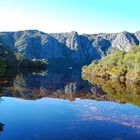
[[120, 65], [70, 49]]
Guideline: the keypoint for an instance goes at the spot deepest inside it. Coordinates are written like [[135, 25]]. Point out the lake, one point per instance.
[[60, 105]]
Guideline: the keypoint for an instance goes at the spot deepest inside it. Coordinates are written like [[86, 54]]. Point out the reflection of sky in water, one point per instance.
[[62, 119], [125, 114]]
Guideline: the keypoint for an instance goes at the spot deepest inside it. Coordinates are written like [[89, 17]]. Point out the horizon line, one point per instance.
[[20, 30]]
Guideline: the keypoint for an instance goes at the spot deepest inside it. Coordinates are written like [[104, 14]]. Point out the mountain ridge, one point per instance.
[[68, 48]]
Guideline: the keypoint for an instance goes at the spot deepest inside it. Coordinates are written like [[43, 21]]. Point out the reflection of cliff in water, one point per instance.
[[65, 84], [122, 92]]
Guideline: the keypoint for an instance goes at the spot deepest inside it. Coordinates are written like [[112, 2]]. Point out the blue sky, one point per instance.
[[84, 16]]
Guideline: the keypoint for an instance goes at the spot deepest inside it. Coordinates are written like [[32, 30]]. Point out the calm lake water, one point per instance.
[[62, 106]]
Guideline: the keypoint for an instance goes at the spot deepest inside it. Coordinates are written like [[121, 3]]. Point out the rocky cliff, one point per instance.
[[65, 48]]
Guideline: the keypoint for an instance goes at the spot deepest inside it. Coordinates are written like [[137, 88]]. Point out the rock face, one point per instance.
[[65, 48], [124, 40], [137, 34]]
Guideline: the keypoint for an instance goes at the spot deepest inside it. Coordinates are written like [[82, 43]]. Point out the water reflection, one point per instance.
[[28, 115], [53, 119], [67, 85], [125, 92]]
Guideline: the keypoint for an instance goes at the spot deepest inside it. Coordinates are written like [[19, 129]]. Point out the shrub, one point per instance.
[[117, 64]]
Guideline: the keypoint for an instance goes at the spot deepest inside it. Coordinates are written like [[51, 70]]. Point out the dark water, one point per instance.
[[62, 106]]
